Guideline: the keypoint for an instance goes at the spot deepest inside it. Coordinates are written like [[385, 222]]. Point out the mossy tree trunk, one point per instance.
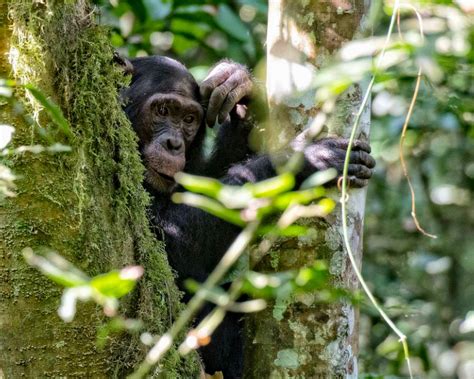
[[88, 205], [298, 337]]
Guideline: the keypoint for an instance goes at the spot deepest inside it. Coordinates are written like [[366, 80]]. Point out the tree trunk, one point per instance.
[[88, 205], [296, 337]]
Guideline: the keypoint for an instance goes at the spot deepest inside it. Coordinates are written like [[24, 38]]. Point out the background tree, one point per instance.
[[87, 204], [298, 335]]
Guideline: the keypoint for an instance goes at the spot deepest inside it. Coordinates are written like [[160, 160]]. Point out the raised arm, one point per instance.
[[229, 99]]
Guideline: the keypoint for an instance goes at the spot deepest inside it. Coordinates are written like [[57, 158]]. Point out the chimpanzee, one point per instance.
[[169, 112]]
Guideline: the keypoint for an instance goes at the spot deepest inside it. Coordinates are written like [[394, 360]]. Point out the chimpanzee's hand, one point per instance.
[[225, 86], [330, 153]]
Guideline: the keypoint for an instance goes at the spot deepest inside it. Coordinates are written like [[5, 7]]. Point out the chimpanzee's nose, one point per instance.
[[174, 145]]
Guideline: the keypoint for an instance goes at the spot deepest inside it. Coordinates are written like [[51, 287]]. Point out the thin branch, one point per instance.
[[405, 127]]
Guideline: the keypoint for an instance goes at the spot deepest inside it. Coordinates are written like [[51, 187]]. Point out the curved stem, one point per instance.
[[344, 197]]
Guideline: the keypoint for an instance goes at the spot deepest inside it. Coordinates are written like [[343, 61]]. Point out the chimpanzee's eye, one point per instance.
[[162, 110], [189, 119]]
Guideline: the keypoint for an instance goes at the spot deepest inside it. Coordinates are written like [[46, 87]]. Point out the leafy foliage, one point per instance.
[[104, 289], [203, 31]]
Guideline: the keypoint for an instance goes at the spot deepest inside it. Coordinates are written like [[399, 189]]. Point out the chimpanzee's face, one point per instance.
[[163, 105], [171, 124]]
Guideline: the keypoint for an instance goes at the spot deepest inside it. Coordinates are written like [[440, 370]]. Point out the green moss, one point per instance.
[[89, 205]]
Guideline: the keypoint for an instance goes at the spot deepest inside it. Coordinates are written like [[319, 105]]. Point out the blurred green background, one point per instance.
[[426, 285]]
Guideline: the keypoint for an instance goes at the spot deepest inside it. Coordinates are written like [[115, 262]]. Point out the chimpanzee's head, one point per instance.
[[162, 103]]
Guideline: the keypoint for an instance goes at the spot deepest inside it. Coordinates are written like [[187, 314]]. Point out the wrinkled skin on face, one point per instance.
[[163, 105], [171, 123]]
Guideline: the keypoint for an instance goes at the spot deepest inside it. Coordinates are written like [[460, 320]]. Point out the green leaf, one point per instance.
[[53, 110], [210, 206], [319, 178], [199, 184], [116, 325], [56, 268], [157, 9], [214, 295], [290, 231], [272, 187], [117, 283], [298, 197], [231, 23]]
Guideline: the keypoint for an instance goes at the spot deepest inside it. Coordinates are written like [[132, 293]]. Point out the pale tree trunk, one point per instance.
[[88, 205], [297, 337]]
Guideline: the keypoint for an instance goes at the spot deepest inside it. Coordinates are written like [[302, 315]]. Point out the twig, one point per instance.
[[405, 127]]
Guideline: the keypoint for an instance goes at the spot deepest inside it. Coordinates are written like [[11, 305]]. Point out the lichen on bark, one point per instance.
[[297, 337], [89, 205]]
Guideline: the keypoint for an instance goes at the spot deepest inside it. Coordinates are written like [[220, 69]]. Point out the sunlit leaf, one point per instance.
[[235, 197], [67, 309], [53, 110], [199, 184], [117, 283], [210, 206], [319, 178], [272, 187], [327, 205], [56, 268]]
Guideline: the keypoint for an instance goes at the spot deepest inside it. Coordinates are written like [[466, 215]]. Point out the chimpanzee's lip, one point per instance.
[[165, 177]]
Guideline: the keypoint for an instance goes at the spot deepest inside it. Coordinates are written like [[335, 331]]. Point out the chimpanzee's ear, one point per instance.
[[124, 63]]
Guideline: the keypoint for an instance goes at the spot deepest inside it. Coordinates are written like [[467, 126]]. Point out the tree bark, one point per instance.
[[88, 205], [295, 336]]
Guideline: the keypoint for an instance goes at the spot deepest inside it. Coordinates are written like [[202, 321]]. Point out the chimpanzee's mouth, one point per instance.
[[167, 177]]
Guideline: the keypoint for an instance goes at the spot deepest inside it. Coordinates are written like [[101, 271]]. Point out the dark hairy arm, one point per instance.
[[228, 96], [207, 237]]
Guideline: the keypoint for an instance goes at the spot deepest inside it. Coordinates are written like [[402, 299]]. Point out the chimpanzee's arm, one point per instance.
[[228, 95], [197, 240], [231, 146]]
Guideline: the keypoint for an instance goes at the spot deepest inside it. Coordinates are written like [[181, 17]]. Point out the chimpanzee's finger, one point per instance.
[[361, 145], [215, 103], [357, 183], [361, 157], [233, 97], [215, 78], [359, 171], [342, 143], [220, 94]]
